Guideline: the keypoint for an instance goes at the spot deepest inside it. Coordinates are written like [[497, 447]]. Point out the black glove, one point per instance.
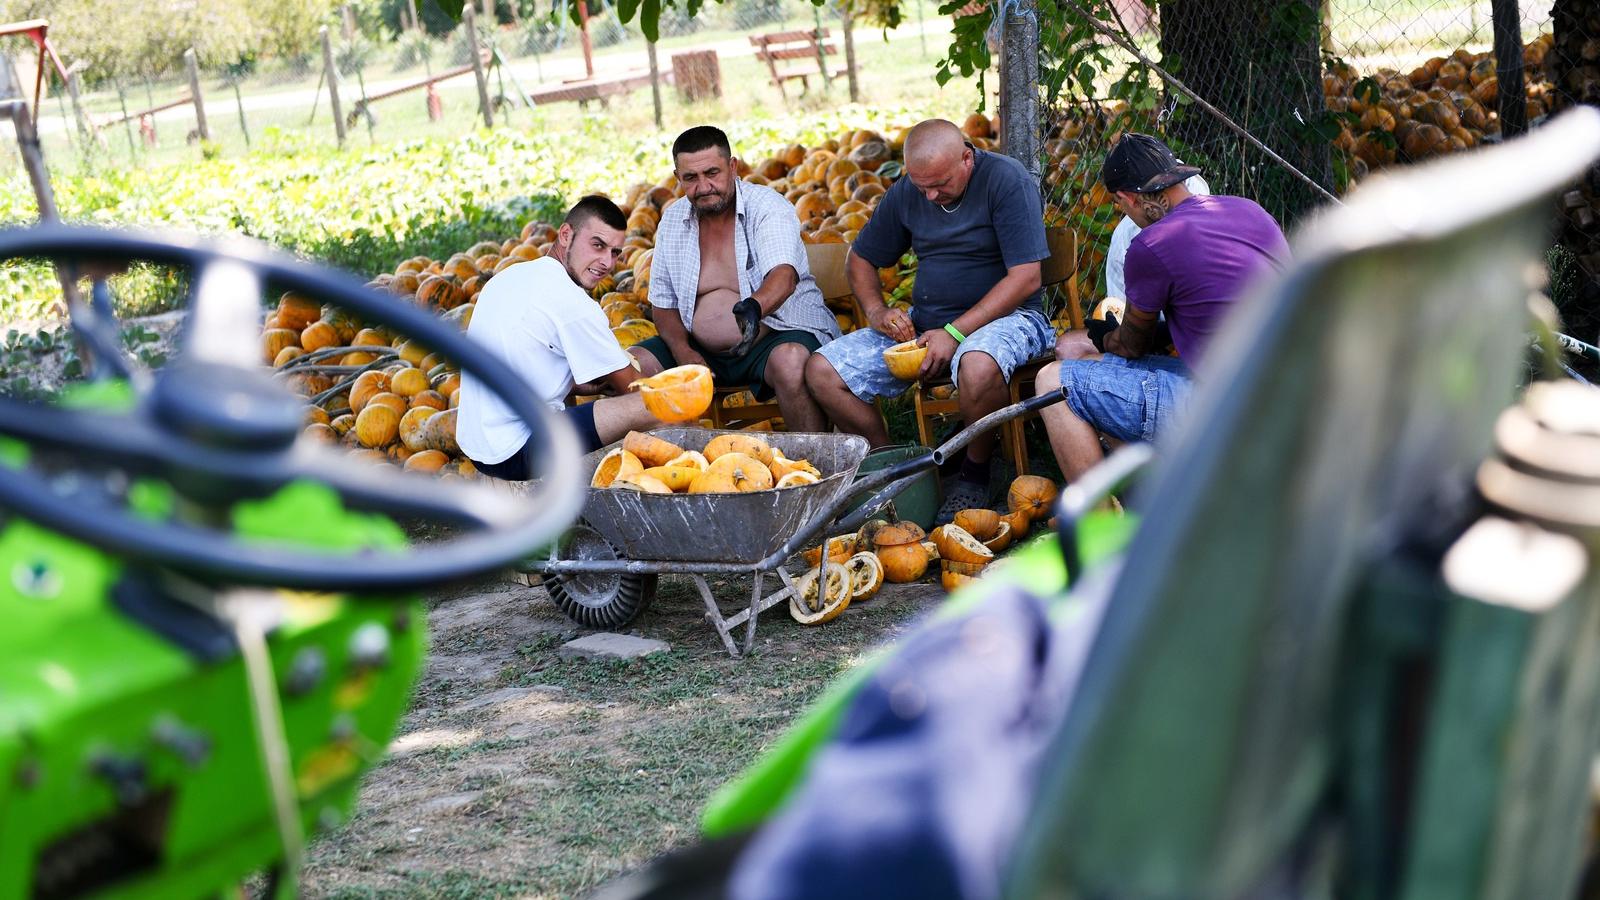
[[747, 313], [1099, 328]]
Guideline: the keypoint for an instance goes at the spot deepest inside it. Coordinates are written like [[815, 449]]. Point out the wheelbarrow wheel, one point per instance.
[[607, 602]]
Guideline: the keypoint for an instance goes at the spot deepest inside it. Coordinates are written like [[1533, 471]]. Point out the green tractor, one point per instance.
[[212, 624]]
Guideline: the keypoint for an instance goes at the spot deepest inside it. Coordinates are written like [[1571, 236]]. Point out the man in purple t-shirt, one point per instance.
[[1191, 262]]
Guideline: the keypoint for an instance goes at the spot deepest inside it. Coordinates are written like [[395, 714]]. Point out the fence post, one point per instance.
[[1508, 63], [332, 71], [238, 101], [1019, 87], [846, 15], [655, 80], [85, 127], [127, 121], [193, 65], [469, 20], [416, 20]]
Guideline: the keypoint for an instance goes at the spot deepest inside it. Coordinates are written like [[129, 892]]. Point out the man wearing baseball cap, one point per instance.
[[1192, 260]]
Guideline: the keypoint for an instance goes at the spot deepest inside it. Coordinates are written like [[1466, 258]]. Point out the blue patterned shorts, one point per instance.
[[1010, 341]]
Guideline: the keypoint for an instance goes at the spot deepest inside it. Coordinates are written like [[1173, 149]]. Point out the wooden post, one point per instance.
[[127, 121], [74, 85], [1508, 65], [347, 15], [488, 12], [193, 65], [655, 80], [1019, 86], [583, 29], [416, 20], [469, 20], [332, 71], [239, 102]]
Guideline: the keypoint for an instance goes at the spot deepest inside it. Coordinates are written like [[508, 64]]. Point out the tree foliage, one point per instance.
[[148, 37]]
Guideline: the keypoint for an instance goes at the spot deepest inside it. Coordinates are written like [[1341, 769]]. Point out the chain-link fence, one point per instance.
[[1287, 102], [423, 81]]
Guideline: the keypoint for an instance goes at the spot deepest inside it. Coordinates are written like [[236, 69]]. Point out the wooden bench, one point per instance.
[[811, 46]]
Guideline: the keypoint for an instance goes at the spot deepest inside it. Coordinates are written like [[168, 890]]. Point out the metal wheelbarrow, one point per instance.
[[603, 573]]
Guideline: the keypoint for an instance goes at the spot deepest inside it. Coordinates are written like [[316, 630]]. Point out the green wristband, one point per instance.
[[955, 333]]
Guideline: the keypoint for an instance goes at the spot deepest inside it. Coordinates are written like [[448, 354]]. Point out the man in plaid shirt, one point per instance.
[[730, 284]]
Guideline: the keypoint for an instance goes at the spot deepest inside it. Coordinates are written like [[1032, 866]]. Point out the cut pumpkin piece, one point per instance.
[[639, 481], [676, 478], [782, 465], [866, 575], [840, 547], [956, 544], [690, 459], [809, 606], [679, 394], [795, 479], [651, 450], [613, 465]]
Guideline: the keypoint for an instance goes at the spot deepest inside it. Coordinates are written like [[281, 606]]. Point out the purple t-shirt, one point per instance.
[[1197, 260]]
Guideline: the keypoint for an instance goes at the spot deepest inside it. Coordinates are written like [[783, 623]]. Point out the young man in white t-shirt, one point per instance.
[[538, 318]]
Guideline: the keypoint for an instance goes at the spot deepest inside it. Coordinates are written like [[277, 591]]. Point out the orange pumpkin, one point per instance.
[[377, 425]]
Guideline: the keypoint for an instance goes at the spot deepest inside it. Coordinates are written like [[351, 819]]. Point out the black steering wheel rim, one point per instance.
[[502, 527]]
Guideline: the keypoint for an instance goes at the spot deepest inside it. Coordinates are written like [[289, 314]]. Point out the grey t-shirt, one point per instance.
[[999, 223]]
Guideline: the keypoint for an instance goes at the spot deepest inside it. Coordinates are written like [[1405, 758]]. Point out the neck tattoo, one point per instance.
[[1154, 207]]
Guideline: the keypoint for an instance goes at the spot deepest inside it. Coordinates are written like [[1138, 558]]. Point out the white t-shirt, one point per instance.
[[1123, 235], [536, 320]]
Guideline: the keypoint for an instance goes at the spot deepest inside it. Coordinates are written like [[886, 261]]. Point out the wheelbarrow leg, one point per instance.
[[755, 610], [714, 615]]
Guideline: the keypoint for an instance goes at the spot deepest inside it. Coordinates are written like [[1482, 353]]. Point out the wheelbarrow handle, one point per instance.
[[888, 482], [962, 438], [1078, 498]]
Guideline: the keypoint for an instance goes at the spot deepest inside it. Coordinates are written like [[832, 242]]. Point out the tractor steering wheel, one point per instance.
[[215, 425]]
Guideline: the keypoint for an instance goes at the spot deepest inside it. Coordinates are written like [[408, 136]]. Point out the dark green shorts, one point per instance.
[[748, 369]]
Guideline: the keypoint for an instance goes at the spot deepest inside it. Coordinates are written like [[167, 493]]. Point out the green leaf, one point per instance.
[[650, 20], [451, 8]]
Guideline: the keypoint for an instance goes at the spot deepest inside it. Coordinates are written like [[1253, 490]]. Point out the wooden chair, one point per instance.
[[739, 416], [1060, 267], [810, 46]]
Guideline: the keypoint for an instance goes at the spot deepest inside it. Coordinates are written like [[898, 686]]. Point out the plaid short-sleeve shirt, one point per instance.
[[767, 236]]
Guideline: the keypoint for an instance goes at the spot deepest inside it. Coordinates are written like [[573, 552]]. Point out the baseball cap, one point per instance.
[[1142, 164]]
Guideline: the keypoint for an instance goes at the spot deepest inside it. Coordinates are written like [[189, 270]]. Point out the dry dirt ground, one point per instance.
[[519, 773]]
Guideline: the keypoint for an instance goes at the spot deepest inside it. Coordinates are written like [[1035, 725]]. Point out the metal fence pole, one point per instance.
[[333, 84], [1019, 86], [470, 21], [193, 65]]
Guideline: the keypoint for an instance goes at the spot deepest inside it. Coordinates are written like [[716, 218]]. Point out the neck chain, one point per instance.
[[951, 209]]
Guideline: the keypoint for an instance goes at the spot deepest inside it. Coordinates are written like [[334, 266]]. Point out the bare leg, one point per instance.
[[1076, 345], [850, 413], [1074, 442], [983, 390], [786, 373], [648, 364], [616, 416]]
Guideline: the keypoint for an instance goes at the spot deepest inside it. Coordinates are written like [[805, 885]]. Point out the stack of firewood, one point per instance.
[[1574, 67]]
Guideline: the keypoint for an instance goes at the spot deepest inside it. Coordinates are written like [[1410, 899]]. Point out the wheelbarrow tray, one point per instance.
[[738, 529]]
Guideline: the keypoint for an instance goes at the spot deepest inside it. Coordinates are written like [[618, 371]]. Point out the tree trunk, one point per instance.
[[1574, 65], [1258, 61]]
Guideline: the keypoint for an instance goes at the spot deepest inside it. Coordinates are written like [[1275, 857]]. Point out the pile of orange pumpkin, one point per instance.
[[904, 553], [729, 463]]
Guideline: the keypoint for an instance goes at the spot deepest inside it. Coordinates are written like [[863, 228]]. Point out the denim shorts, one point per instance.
[[1128, 399], [1010, 340]]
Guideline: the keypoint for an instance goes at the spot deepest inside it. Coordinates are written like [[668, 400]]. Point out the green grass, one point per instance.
[[616, 763]]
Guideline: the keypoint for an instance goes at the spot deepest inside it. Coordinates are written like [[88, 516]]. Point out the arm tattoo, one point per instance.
[[1131, 339]]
